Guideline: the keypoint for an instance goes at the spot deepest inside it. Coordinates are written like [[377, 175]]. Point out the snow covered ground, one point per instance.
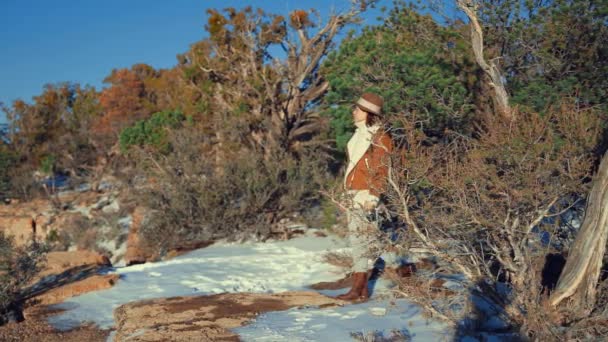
[[269, 267], [337, 324]]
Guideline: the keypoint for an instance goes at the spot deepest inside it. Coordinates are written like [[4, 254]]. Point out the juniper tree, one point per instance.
[[422, 69]]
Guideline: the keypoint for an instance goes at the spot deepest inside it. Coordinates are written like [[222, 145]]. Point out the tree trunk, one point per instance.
[[500, 96], [581, 273]]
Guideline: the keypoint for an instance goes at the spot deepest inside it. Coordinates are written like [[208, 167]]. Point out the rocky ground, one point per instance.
[[67, 274], [205, 318], [199, 318], [36, 328]]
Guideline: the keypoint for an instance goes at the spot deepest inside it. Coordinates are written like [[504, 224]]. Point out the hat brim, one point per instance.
[[369, 107], [368, 111]]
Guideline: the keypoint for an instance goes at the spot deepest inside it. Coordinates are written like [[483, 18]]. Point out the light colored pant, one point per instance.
[[364, 236]]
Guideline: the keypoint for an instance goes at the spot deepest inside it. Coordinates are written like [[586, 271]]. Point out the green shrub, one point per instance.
[[152, 132], [47, 164]]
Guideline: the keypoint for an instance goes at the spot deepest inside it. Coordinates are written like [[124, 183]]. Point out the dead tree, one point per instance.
[[276, 93], [581, 273], [500, 96], [301, 79]]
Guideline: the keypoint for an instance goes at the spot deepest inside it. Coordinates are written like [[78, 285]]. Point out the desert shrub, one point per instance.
[[77, 231], [23, 185], [58, 240], [18, 266], [329, 214], [16, 178], [483, 205], [7, 162], [193, 199]]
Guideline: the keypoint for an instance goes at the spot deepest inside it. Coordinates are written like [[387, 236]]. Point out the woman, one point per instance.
[[365, 179]]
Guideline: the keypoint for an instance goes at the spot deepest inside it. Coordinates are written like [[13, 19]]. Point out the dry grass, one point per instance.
[[378, 336]]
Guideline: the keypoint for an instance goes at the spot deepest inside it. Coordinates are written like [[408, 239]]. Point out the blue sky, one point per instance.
[[82, 41]]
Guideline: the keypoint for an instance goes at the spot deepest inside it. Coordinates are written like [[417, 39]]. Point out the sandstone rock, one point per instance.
[[108, 183], [25, 221], [204, 318], [136, 254], [66, 221], [187, 248], [36, 328], [112, 207], [107, 204], [59, 262], [31, 208], [24, 227], [79, 201], [69, 274], [40, 217], [21, 228], [93, 283]]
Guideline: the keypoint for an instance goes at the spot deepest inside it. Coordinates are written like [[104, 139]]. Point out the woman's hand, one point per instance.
[[364, 200], [369, 205]]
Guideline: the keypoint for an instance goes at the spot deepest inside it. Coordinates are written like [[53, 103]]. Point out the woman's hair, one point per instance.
[[373, 119]]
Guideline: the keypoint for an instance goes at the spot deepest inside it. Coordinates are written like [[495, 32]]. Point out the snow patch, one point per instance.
[[337, 324], [252, 267]]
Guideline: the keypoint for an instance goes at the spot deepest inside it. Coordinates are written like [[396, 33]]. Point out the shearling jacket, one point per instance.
[[368, 161]]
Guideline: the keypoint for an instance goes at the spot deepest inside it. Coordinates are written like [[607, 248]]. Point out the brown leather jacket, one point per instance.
[[371, 171]]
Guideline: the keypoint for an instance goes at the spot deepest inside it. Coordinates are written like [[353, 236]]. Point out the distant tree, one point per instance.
[[55, 128], [7, 163], [171, 92], [7, 159], [126, 100]]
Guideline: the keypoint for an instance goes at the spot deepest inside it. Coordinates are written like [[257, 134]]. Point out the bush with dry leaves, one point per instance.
[[490, 206]]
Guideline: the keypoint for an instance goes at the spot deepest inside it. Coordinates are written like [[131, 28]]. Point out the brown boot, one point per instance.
[[364, 296], [359, 290]]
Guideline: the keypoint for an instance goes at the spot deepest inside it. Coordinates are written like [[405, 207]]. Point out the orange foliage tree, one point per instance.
[[127, 99]]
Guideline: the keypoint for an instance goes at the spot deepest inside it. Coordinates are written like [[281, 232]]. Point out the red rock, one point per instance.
[[205, 318], [21, 228], [135, 253], [59, 262], [25, 221], [93, 283], [69, 274]]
